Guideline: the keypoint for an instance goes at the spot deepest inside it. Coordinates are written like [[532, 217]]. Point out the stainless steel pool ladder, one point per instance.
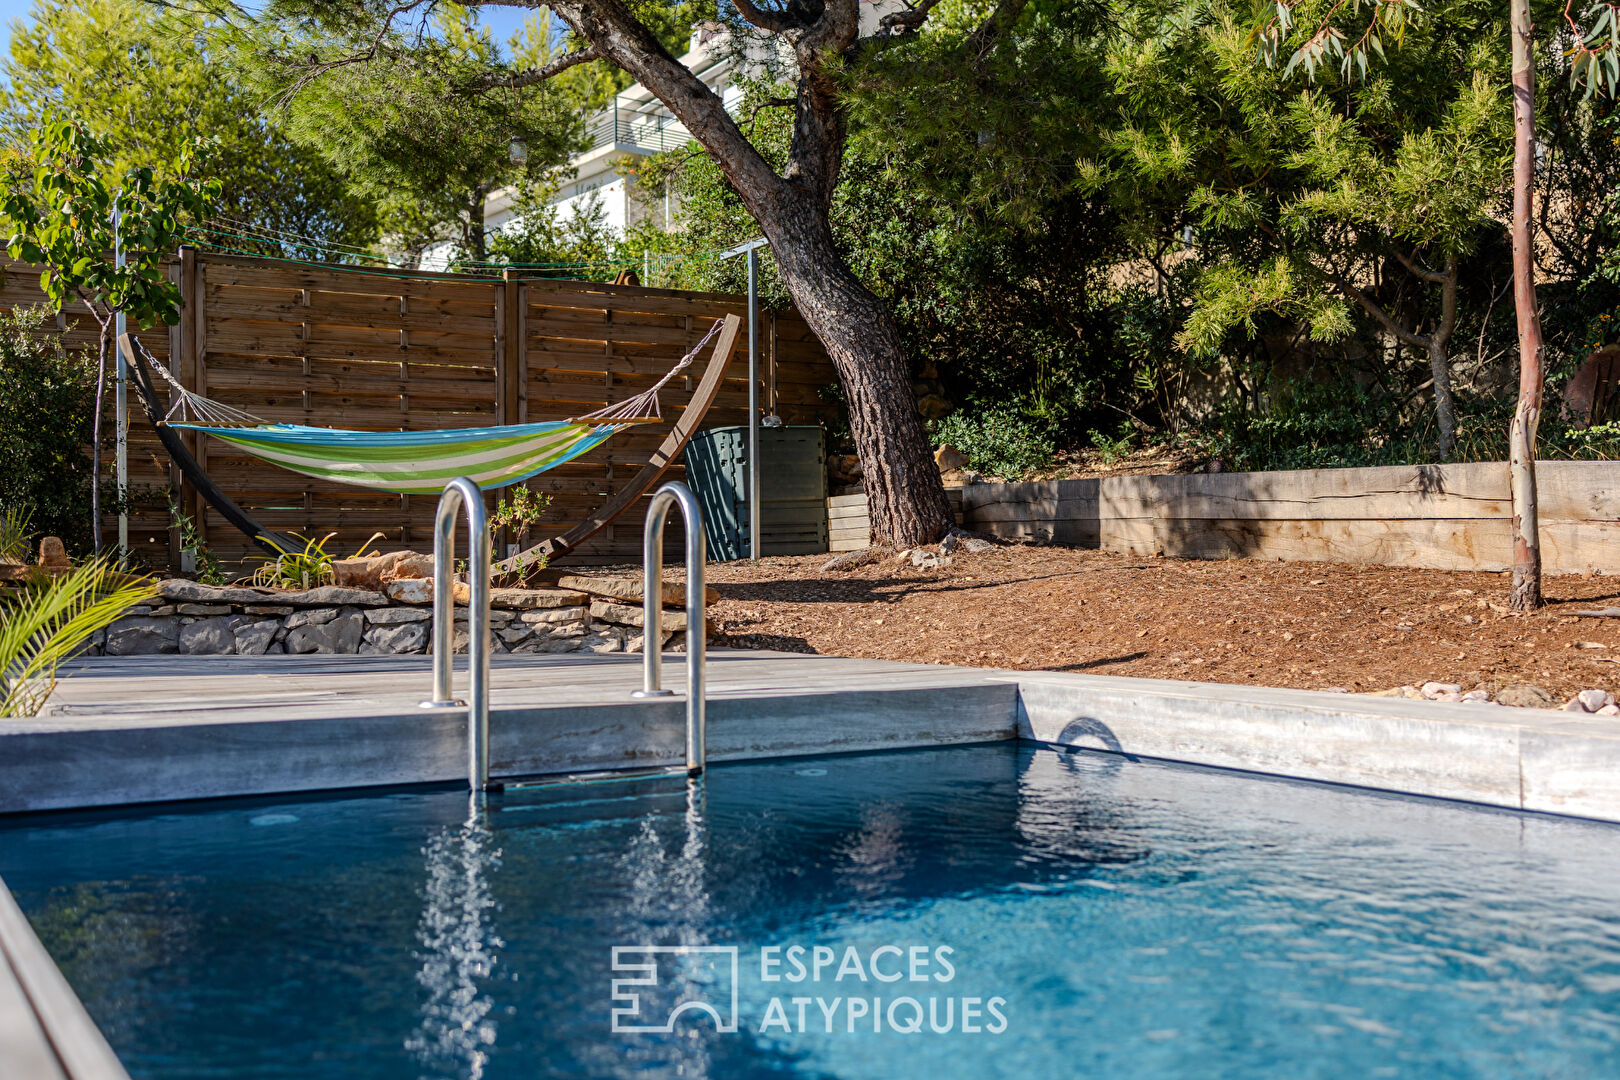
[[664, 499], [462, 493]]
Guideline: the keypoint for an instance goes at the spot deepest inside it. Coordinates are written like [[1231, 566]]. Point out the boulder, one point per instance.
[[52, 554], [1593, 700], [338, 635], [1436, 691], [208, 637], [408, 637], [627, 589], [253, 637], [1525, 695], [396, 616], [420, 591], [949, 458], [535, 599], [142, 636], [375, 571]]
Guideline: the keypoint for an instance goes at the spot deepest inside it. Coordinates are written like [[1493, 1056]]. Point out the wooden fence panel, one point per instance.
[[348, 348]]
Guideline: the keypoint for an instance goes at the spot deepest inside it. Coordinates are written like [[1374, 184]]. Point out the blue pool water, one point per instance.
[[1095, 917]]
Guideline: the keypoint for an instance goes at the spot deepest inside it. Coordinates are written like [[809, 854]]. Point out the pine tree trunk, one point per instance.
[[1445, 409], [905, 496], [1526, 595]]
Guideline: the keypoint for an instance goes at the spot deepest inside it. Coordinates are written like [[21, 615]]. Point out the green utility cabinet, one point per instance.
[[792, 484]]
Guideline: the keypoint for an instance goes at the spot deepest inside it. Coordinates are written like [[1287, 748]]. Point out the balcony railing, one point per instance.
[[649, 132]]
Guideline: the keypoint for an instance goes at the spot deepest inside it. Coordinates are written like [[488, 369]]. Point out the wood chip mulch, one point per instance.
[[1306, 625]]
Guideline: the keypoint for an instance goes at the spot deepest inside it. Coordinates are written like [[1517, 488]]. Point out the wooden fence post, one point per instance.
[[189, 371]]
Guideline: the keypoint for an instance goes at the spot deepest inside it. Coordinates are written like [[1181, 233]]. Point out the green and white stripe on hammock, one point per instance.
[[416, 462]]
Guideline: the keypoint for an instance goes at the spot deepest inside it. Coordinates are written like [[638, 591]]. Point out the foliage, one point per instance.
[[16, 534], [63, 221], [209, 571], [519, 511], [150, 81], [48, 620], [404, 125], [47, 473], [998, 440], [302, 568], [543, 243]]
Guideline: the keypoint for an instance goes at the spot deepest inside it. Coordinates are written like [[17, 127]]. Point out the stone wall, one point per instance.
[[601, 615]]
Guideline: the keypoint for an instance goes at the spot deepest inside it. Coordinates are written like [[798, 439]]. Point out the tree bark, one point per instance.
[[1445, 408], [1526, 594], [905, 496]]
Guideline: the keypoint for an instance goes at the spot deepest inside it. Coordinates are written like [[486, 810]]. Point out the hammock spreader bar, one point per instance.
[[416, 462]]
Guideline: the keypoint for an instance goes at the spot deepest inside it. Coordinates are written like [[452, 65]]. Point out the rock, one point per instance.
[[1593, 700], [555, 615], [609, 639], [1574, 705], [208, 637], [253, 637], [535, 599], [1590, 645], [625, 615], [844, 469], [1524, 696], [182, 591], [927, 560], [420, 591], [676, 644], [633, 642], [1477, 695], [268, 609], [161, 610], [1400, 692], [933, 406], [852, 560], [512, 635], [203, 609], [338, 635], [143, 637], [313, 617], [395, 616], [408, 637], [139, 609], [627, 589], [1435, 691], [53, 554], [551, 645], [569, 630], [949, 458], [330, 595], [1609, 710], [375, 571]]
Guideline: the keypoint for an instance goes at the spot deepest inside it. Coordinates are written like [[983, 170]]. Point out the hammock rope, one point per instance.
[[416, 462]]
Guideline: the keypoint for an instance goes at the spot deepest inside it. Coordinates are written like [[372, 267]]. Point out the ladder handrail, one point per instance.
[[664, 499], [458, 494]]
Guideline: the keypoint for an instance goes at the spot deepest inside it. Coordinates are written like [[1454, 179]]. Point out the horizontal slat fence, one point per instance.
[[348, 348]]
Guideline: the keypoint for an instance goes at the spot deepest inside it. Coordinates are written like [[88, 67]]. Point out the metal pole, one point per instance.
[[458, 494], [120, 403], [652, 614], [753, 404]]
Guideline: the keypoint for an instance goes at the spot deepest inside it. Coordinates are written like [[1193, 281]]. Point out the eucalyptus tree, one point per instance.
[[818, 42]]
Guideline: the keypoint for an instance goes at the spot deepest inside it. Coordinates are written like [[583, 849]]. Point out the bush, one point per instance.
[[47, 395], [998, 440]]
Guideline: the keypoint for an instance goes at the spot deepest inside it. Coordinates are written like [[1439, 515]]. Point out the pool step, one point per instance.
[[604, 776]]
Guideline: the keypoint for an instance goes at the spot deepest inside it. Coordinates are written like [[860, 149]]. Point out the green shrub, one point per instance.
[[47, 394], [998, 440]]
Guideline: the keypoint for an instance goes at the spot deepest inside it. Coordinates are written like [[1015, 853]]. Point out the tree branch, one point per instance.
[[1368, 304], [1417, 271], [775, 21], [983, 39], [530, 76], [900, 22]]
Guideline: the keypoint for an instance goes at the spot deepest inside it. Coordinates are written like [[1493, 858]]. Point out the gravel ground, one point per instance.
[[1307, 625]]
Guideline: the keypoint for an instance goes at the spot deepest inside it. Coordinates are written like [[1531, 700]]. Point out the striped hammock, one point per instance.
[[415, 462]]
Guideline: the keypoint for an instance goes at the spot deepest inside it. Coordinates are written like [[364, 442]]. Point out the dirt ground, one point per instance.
[[1308, 625]]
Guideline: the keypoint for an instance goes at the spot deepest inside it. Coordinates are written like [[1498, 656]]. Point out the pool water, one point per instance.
[[989, 911]]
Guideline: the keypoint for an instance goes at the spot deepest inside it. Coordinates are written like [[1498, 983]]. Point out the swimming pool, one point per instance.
[[1032, 912]]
